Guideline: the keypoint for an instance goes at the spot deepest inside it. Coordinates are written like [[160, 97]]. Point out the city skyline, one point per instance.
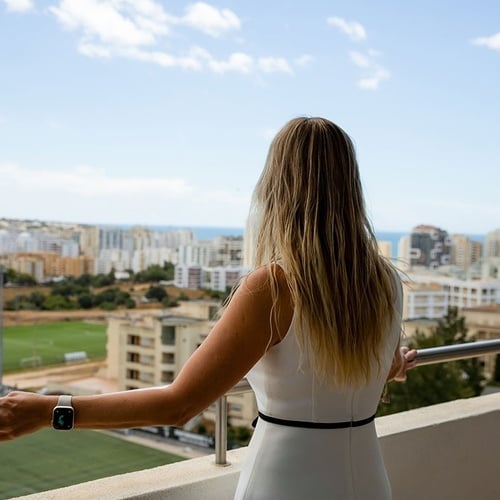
[[126, 113]]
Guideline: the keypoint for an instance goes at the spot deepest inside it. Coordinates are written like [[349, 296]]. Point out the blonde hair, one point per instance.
[[311, 219]]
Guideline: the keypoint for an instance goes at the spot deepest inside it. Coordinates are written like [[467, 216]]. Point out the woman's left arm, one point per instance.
[[237, 341]]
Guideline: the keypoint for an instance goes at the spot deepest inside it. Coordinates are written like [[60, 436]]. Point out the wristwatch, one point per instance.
[[63, 415]]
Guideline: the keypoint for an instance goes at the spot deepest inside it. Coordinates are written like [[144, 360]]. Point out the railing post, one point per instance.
[[221, 431]]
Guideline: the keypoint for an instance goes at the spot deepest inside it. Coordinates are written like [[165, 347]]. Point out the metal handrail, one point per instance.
[[426, 356], [467, 350]]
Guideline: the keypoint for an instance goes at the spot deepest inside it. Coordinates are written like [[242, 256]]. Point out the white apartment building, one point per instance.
[[224, 278], [173, 239], [29, 242], [492, 244], [189, 276], [227, 251], [429, 296], [424, 300], [150, 350], [112, 258], [142, 259], [200, 253]]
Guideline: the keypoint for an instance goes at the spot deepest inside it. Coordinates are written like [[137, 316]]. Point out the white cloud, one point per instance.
[[238, 61], [87, 182], [304, 60], [374, 72], [360, 60], [354, 30], [274, 64], [492, 42], [92, 50], [134, 30], [209, 20], [86, 194], [162, 59], [104, 21], [19, 5], [372, 82]]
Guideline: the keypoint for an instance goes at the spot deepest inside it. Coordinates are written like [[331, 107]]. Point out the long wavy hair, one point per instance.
[[311, 219]]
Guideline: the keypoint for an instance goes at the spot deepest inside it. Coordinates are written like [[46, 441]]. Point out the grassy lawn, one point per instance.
[[50, 341], [54, 459]]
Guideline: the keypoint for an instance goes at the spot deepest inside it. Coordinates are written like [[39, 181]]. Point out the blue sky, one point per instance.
[[161, 113]]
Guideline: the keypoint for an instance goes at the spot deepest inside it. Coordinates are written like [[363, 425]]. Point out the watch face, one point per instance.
[[62, 419]]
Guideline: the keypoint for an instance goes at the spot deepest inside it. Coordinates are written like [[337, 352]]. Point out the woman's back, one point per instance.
[[294, 461]]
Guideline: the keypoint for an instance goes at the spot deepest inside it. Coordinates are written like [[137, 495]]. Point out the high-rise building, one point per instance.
[[385, 248], [403, 259], [492, 244], [464, 251], [430, 247], [228, 251]]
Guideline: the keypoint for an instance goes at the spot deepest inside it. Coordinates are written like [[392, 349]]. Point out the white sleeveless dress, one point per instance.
[[293, 463]]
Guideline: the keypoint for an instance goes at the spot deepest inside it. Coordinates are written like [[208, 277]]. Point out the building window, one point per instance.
[[168, 357], [168, 335], [133, 340], [133, 357], [167, 376], [133, 374]]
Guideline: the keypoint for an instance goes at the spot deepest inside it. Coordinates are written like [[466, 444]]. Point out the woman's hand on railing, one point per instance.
[[407, 361], [404, 359]]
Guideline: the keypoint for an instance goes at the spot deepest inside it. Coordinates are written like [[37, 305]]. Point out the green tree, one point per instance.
[[20, 303], [66, 288], [26, 279], [440, 382], [85, 301], [101, 280], [37, 299], [157, 293], [129, 303], [169, 269], [153, 274], [84, 280], [23, 279], [57, 302]]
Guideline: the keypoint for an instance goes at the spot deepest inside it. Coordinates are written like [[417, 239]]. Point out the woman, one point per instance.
[[316, 326]]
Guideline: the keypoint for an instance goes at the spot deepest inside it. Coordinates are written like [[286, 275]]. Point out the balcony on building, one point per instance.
[[445, 451]]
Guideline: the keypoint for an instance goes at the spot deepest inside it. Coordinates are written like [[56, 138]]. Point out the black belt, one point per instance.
[[313, 425]]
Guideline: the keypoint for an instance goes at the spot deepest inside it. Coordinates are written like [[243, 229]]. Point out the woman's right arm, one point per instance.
[[403, 360]]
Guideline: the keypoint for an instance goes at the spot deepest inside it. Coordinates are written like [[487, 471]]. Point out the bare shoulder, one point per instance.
[[259, 286], [259, 280]]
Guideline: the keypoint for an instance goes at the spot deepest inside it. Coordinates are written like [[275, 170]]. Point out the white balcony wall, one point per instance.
[[443, 452]]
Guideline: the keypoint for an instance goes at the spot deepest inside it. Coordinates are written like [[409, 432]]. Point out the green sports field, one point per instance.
[[53, 459], [48, 342]]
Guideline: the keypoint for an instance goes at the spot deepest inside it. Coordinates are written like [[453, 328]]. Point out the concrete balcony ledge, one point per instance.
[[447, 451]]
